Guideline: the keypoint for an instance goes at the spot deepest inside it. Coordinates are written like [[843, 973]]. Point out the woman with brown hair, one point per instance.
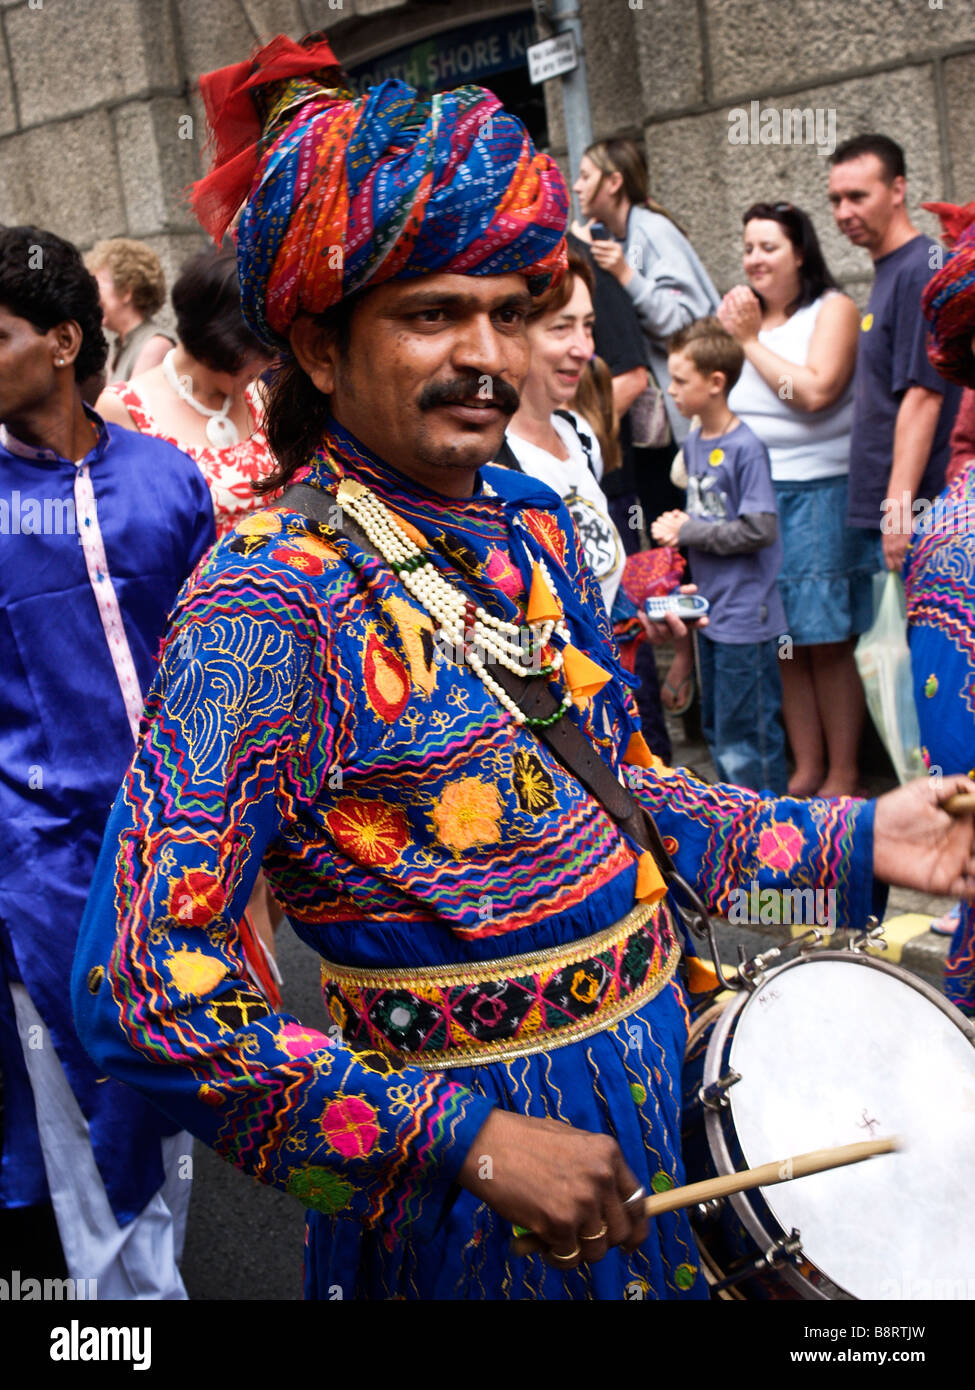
[[132, 290], [203, 396], [552, 442]]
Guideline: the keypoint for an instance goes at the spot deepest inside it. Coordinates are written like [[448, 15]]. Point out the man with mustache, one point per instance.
[[339, 698]]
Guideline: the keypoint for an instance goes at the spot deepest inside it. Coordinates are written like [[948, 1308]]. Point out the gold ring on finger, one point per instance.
[[566, 1258], [599, 1234]]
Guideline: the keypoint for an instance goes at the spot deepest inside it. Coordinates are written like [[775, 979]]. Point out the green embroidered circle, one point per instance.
[[685, 1275], [320, 1189], [931, 686], [661, 1181], [638, 1092]]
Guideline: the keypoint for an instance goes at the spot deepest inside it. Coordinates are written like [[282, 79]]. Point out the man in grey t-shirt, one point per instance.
[[902, 409]]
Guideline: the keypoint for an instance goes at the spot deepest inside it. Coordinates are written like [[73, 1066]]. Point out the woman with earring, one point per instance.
[[203, 396], [799, 335], [638, 242]]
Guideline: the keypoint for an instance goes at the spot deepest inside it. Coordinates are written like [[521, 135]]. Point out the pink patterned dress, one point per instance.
[[229, 473]]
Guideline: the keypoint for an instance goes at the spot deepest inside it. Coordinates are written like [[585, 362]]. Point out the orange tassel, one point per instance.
[[417, 537], [650, 887], [638, 752], [701, 977], [543, 606], [583, 677]]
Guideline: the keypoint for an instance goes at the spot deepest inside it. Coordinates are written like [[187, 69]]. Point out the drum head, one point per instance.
[[837, 1051]]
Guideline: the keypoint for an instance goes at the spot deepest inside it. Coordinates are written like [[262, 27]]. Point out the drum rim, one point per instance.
[[766, 1232]]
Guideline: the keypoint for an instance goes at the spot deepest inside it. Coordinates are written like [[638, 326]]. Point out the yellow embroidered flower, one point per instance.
[[194, 973], [467, 814]]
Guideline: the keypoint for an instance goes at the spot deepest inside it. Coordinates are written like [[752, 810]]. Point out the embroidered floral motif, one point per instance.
[[299, 554], [263, 523], [544, 526], [533, 785], [372, 833], [504, 575], [416, 631], [320, 1189], [467, 814], [780, 845], [196, 898], [386, 681], [350, 1126], [297, 1041], [194, 973]]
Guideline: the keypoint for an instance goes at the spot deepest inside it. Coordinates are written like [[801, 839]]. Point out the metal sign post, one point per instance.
[[563, 56]]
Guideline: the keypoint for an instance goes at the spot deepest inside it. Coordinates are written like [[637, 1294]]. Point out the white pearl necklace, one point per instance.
[[463, 624], [221, 431]]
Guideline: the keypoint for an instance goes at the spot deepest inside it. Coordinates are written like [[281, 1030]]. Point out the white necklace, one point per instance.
[[220, 430], [462, 623]]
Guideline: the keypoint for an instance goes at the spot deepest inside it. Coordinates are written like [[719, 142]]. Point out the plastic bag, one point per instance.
[[884, 662]]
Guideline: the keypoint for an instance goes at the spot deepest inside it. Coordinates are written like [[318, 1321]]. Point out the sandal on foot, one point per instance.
[[679, 706], [948, 924]]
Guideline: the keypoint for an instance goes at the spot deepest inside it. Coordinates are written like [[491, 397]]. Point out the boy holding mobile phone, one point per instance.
[[731, 531]]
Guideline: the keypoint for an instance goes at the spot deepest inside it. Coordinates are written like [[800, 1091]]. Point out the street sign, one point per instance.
[[552, 57]]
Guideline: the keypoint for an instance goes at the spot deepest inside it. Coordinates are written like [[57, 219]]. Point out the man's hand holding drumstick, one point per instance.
[[573, 1190], [919, 842]]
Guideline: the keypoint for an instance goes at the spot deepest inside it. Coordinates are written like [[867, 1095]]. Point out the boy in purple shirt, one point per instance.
[[731, 531]]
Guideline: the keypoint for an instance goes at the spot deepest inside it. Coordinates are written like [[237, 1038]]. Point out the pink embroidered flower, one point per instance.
[[297, 1041], [350, 1127], [780, 845], [503, 573]]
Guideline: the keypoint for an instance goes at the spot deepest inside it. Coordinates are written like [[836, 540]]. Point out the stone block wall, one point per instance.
[[673, 71], [101, 130]]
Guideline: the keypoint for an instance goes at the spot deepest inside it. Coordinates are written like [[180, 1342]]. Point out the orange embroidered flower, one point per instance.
[[196, 898], [386, 681], [416, 631], [298, 559], [780, 845], [264, 523], [350, 1126], [370, 832], [546, 530], [467, 814]]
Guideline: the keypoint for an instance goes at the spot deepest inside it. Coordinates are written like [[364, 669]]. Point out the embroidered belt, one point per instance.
[[440, 1016]]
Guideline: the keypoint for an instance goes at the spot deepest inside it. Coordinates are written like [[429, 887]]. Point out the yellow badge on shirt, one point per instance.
[[866, 323], [715, 457]]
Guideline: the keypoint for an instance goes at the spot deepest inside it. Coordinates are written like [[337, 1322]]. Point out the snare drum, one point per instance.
[[835, 1048]]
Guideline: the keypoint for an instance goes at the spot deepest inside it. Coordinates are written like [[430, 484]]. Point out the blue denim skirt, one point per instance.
[[826, 576]]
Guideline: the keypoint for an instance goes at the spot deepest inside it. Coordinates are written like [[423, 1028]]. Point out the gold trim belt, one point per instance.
[[440, 1016]]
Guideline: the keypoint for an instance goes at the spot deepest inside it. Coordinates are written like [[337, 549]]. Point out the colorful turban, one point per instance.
[[342, 192], [948, 302]]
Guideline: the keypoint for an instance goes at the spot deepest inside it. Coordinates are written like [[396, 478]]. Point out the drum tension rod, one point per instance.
[[713, 1097], [786, 1250], [872, 935]]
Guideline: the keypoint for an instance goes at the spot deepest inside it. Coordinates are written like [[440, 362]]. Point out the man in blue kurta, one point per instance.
[[506, 1026], [99, 527]]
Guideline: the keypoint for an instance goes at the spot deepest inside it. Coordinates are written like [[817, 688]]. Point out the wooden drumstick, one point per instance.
[[765, 1175], [961, 804]]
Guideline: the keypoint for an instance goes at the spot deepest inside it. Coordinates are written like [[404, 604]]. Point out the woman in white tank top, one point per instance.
[[799, 335]]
